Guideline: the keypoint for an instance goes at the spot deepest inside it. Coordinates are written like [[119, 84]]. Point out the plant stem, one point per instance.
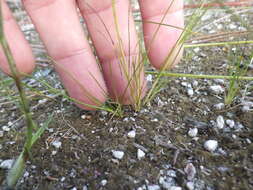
[[24, 106], [168, 74], [218, 44]]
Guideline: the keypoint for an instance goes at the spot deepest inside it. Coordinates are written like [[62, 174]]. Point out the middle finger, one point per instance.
[[118, 51]]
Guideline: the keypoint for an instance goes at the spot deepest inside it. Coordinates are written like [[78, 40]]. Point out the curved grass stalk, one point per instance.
[[195, 76], [218, 44]]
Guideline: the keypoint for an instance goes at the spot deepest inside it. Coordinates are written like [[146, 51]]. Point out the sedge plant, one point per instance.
[[131, 71]]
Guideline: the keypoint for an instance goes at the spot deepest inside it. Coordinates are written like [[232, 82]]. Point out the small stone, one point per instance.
[[7, 164], [219, 106], [154, 120], [74, 188], [190, 92], [154, 187], [85, 187], [83, 116], [217, 89], [238, 126], [175, 188], [118, 154], [43, 101], [1, 133], [57, 144], [190, 185], [193, 132], [140, 154], [54, 152], [63, 179], [131, 134], [172, 173], [190, 171], [232, 26], [230, 123], [104, 113], [211, 145], [103, 182], [219, 81], [245, 109], [6, 128], [26, 174], [220, 123], [196, 50], [195, 83], [149, 78], [248, 141]]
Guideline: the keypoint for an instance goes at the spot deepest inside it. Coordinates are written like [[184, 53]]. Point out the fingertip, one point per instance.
[[174, 56], [83, 103], [125, 79]]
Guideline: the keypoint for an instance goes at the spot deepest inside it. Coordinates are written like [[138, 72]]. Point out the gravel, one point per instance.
[[193, 132], [140, 154], [211, 145], [118, 154], [220, 123], [131, 134], [7, 164]]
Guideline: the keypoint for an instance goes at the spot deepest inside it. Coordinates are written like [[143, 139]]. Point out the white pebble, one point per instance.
[[118, 154], [211, 145], [248, 141], [56, 144], [131, 134], [220, 123], [103, 182], [219, 81], [7, 164], [219, 106], [190, 171], [154, 187], [190, 92], [230, 123], [6, 128], [83, 116], [217, 89], [1, 133], [195, 83], [175, 188], [193, 132], [140, 154], [149, 77], [190, 185]]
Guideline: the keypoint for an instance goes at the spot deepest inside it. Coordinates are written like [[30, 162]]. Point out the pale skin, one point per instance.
[[57, 22]]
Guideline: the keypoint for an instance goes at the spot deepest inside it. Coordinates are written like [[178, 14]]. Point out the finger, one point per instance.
[[19, 47], [58, 24], [119, 57], [160, 40]]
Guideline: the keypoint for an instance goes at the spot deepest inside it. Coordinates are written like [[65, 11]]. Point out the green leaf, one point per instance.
[[41, 130], [16, 171]]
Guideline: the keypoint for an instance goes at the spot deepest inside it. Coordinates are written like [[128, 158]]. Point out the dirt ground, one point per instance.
[[163, 145]]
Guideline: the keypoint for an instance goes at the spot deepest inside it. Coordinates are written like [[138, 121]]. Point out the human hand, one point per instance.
[[57, 22]]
